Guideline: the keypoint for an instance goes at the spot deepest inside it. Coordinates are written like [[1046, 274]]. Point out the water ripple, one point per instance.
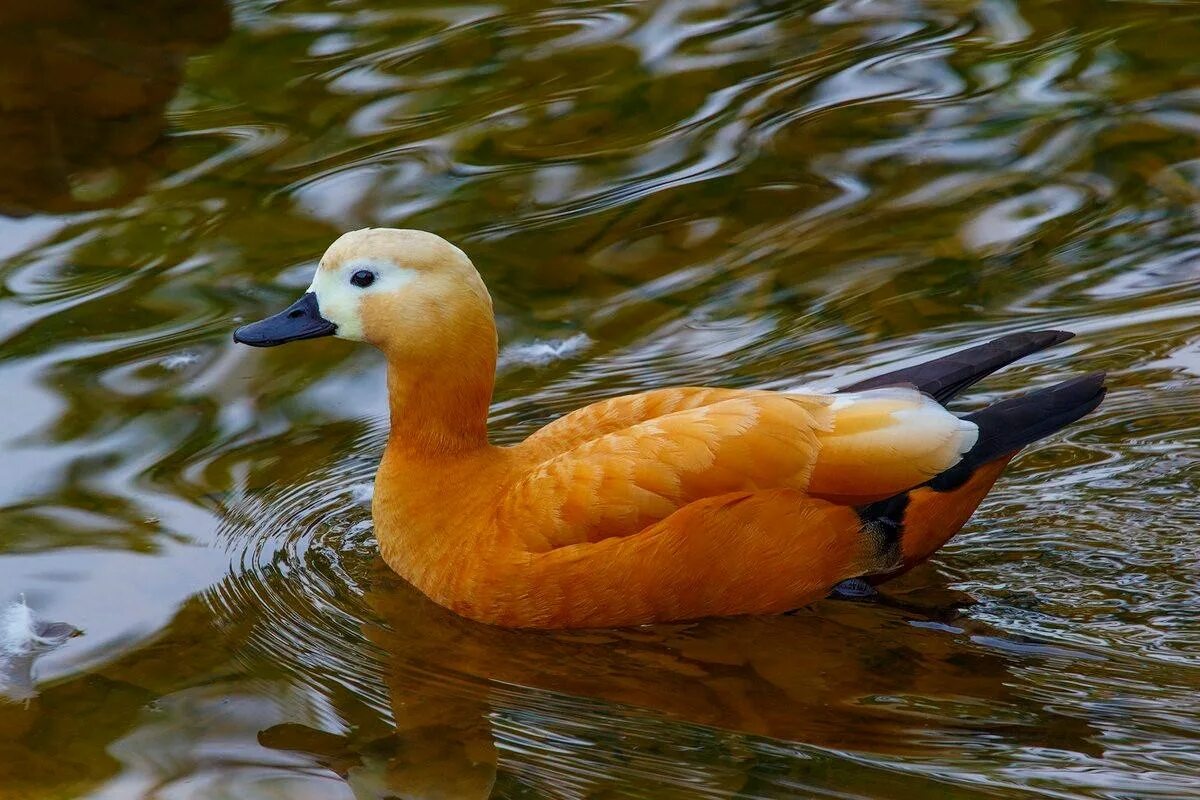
[[746, 194]]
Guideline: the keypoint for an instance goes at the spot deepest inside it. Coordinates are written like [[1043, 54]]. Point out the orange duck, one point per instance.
[[671, 504]]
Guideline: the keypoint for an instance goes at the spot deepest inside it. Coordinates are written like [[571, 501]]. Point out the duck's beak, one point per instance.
[[301, 320]]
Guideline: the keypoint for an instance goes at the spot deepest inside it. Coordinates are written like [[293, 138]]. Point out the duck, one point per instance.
[[667, 505]]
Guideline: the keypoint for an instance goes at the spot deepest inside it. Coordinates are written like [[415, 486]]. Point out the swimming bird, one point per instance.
[[671, 504]]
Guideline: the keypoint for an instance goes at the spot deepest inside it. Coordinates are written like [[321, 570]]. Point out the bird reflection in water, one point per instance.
[[574, 713]]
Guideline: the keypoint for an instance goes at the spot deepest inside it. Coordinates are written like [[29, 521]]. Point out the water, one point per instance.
[[736, 193]]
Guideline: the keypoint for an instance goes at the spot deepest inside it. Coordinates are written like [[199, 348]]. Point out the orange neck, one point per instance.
[[439, 405]]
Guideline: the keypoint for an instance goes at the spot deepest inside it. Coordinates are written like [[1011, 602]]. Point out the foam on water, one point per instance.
[[542, 353], [23, 637]]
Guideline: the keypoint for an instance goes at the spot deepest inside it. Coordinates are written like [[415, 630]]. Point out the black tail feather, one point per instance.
[[945, 377], [1009, 425]]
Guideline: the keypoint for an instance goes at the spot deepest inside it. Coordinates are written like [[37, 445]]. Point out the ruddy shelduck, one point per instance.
[[670, 504]]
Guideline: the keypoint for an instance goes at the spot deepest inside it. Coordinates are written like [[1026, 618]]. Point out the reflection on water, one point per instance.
[[742, 193], [84, 88]]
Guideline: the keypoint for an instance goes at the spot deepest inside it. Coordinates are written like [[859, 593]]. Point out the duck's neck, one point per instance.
[[439, 406]]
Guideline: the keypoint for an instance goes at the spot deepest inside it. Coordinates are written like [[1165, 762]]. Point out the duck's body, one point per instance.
[[667, 505]]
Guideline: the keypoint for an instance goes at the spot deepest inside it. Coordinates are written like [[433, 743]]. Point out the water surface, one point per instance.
[[726, 192]]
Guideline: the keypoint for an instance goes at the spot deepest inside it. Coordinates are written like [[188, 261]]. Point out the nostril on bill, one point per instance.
[[296, 313]]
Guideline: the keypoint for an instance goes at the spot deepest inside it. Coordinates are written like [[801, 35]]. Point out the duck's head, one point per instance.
[[407, 292]]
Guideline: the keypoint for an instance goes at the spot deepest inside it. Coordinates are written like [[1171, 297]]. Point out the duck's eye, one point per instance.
[[363, 278]]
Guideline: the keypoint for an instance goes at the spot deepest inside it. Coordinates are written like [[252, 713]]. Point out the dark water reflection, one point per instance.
[[743, 193], [84, 91]]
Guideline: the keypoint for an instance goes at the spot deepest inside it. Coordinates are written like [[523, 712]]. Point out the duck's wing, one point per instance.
[[618, 413], [848, 448], [617, 483]]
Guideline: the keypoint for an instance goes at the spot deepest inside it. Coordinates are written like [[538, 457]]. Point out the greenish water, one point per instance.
[[726, 192]]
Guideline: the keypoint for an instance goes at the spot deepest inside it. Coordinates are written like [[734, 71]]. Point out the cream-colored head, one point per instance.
[[404, 291], [410, 293], [389, 287]]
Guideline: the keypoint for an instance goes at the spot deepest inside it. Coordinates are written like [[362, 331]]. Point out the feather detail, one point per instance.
[[621, 482]]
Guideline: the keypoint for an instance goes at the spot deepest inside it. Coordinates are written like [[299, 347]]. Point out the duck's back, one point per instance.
[[852, 448]]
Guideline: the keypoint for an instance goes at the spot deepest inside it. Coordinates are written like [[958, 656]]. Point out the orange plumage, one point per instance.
[[671, 504]]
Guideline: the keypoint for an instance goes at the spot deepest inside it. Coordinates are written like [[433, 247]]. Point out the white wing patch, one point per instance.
[[888, 439]]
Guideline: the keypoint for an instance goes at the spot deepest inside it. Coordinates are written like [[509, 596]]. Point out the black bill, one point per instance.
[[301, 320]]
